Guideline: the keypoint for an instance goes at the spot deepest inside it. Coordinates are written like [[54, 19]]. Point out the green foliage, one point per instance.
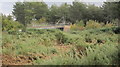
[[19, 12], [42, 20], [88, 47], [115, 22], [74, 27], [93, 24], [100, 55], [26, 11], [96, 45], [95, 56], [77, 11], [10, 25], [66, 38], [59, 60], [94, 13], [111, 10], [71, 13], [80, 23], [57, 12]]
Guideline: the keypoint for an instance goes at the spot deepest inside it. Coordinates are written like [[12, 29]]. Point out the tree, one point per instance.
[[64, 11], [42, 20], [19, 12], [111, 10], [77, 11], [26, 11], [53, 14], [29, 13], [94, 13], [9, 17], [40, 10], [59, 12]]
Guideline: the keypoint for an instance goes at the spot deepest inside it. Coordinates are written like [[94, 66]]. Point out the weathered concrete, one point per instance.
[[63, 28], [66, 28]]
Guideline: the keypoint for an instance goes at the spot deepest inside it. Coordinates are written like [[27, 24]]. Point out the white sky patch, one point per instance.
[[64, 0], [0, 8], [91, 0], [11, 0], [58, 0], [6, 7], [71, 0]]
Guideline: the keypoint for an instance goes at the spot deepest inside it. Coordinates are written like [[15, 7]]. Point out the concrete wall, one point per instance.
[[66, 28]]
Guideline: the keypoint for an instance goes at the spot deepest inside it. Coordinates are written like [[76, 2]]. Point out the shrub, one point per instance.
[[80, 23], [6, 39], [42, 20], [101, 55], [61, 37], [115, 22], [9, 25], [109, 25], [67, 38], [57, 60], [93, 24], [74, 27]]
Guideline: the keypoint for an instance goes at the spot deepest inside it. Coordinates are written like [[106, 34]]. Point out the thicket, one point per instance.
[[91, 24], [9, 25]]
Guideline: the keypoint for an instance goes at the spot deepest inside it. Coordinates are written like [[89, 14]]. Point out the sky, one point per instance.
[[6, 6]]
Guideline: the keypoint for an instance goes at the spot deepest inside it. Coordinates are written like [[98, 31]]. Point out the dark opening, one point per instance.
[[61, 28]]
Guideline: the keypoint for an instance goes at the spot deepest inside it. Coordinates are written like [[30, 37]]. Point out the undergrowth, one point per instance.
[[89, 47]]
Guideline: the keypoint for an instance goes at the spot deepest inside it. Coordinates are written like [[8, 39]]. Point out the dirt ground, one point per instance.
[[28, 60]]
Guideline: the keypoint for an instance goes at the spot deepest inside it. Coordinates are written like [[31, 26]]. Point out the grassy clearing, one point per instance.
[[55, 47]]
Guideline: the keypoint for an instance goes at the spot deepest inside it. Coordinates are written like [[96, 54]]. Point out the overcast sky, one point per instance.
[[6, 6]]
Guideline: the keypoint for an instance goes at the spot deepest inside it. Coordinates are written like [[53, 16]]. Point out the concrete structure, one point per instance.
[[63, 28]]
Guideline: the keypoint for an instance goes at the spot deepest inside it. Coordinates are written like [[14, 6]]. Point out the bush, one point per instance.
[[60, 37], [42, 20], [9, 25], [80, 23], [101, 55], [109, 25], [66, 38], [115, 22], [74, 27], [93, 24]]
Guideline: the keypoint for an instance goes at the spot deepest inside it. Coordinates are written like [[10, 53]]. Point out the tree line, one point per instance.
[[25, 12]]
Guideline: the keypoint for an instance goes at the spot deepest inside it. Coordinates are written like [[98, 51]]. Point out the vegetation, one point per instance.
[[56, 47], [25, 12], [91, 40], [8, 24]]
